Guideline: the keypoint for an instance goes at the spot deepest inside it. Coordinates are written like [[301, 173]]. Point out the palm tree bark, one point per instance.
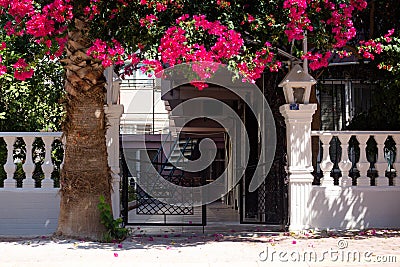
[[85, 174]]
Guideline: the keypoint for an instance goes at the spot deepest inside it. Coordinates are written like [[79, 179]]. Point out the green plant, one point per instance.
[[113, 226]]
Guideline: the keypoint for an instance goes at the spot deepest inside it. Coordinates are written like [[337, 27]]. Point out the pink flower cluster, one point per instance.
[[368, 48], [387, 36], [39, 26], [159, 6], [148, 21], [175, 46], [253, 68], [107, 53], [22, 70], [152, 66], [298, 19], [342, 25], [3, 69], [340, 18], [343, 53], [317, 60], [43, 24]]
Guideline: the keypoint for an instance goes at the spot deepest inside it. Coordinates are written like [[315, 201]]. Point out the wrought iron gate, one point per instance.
[[268, 204], [143, 209]]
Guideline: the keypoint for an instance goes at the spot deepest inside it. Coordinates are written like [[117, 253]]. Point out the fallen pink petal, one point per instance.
[[115, 254]]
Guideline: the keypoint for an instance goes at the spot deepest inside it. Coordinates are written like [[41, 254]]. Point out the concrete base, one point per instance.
[[354, 207], [27, 212]]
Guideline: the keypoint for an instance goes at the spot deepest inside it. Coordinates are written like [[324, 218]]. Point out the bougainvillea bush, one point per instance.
[[162, 33]]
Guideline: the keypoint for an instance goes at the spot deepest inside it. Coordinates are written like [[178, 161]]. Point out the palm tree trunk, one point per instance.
[[85, 174]]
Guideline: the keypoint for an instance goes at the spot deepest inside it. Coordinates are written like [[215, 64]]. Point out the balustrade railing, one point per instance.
[[31, 159], [357, 158]]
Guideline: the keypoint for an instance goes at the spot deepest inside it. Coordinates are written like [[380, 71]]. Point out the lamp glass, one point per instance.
[[298, 94]]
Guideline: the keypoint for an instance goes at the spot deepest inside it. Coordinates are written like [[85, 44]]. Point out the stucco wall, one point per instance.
[[28, 211], [354, 207]]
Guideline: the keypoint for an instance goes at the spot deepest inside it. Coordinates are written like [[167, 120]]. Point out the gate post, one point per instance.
[[113, 111], [113, 114], [298, 119]]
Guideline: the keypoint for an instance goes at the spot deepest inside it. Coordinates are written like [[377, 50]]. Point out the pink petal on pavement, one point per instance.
[[116, 255]]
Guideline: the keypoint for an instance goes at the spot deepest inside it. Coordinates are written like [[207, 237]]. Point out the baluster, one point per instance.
[[363, 163], [396, 180], [345, 163], [326, 163], [63, 142], [47, 165], [29, 166], [381, 164], [10, 167]]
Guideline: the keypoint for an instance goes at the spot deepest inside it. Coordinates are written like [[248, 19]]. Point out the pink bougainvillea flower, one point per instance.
[[22, 70], [199, 85], [3, 70], [115, 254]]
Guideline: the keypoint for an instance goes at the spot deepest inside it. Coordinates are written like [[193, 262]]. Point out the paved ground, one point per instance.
[[231, 247]]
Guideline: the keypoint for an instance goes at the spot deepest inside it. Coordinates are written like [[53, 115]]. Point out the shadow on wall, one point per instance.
[[358, 207]]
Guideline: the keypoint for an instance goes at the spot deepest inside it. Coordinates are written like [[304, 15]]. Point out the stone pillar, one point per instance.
[[113, 114], [298, 119]]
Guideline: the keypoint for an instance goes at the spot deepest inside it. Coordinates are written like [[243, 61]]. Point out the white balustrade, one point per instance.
[[363, 165], [29, 166]]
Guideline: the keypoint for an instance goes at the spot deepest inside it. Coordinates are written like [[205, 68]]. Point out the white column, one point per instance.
[[363, 164], [29, 166], [326, 163], [396, 180], [298, 134], [47, 165], [113, 114], [381, 165], [345, 163], [10, 167]]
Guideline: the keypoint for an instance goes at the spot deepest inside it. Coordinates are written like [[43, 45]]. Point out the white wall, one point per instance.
[[355, 207], [28, 211]]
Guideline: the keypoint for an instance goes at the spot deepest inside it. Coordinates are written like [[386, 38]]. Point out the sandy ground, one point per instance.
[[169, 247]]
